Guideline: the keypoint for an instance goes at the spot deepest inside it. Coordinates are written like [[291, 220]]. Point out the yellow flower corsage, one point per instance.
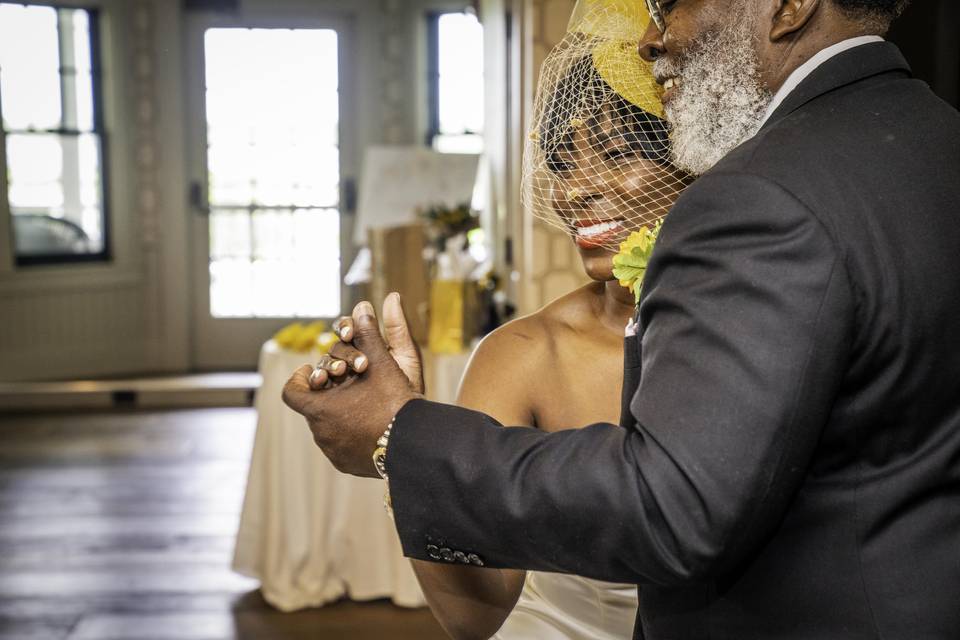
[[631, 263]]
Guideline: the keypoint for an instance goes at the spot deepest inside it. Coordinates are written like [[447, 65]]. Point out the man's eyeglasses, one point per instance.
[[656, 14]]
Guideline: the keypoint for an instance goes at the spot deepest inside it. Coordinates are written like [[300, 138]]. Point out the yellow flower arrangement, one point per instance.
[[303, 338], [630, 264]]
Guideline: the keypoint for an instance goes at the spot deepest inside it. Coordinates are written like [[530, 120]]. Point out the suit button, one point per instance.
[[474, 559], [460, 557], [433, 551], [446, 554]]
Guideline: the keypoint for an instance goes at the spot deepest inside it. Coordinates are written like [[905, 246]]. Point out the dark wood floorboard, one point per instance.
[[119, 526]]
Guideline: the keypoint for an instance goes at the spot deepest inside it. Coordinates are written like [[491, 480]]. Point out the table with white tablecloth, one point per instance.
[[308, 533]]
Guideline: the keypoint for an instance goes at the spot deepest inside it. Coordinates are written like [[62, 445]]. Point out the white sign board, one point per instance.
[[398, 180]]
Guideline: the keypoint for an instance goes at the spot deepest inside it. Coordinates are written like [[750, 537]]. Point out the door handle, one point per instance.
[[349, 196], [198, 199]]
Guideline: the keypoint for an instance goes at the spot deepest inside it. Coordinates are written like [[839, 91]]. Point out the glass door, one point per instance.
[[266, 185]]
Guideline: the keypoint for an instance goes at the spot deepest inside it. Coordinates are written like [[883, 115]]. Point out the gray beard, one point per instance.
[[720, 102]]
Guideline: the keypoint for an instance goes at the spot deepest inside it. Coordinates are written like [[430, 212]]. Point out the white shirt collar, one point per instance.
[[800, 73]]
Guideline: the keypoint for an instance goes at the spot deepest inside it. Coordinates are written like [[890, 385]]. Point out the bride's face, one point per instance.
[[603, 189]]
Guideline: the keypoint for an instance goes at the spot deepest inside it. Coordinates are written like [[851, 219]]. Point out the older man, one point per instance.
[[793, 470]]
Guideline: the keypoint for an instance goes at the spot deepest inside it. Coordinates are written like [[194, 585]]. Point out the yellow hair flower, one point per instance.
[[630, 264]]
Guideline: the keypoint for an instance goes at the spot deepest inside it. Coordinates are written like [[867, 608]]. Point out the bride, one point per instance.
[[597, 166]]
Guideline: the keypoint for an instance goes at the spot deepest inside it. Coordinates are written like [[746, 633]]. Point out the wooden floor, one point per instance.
[[119, 526]]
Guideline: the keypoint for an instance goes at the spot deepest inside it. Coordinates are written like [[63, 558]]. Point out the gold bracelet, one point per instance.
[[380, 464]]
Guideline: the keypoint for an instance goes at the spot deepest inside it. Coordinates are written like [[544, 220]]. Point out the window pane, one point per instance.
[[230, 295], [230, 235], [84, 189], [82, 102], [461, 73], [317, 236], [82, 58], [35, 171], [272, 117], [230, 171], [273, 235], [88, 169], [53, 155], [44, 235], [296, 174], [29, 67], [259, 261], [463, 143], [57, 176], [77, 70], [272, 133]]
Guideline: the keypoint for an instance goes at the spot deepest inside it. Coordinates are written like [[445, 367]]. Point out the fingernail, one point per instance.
[[359, 362], [316, 374], [365, 309], [345, 333]]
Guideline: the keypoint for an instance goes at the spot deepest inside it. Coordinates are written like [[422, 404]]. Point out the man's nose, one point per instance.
[[651, 44]]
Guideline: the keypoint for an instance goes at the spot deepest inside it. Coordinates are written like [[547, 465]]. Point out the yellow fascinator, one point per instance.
[[617, 26], [598, 113]]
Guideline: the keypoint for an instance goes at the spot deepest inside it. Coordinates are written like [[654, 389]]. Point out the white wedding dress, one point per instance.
[[553, 606]]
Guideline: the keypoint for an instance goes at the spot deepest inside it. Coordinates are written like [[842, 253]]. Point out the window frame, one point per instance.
[[433, 77], [105, 255]]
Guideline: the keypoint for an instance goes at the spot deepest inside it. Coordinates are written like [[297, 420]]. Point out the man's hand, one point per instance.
[[348, 417], [345, 359]]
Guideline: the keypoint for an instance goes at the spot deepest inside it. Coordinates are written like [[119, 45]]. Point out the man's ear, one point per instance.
[[792, 16]]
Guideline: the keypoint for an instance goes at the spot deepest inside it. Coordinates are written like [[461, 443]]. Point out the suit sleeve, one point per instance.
[[746, 325]]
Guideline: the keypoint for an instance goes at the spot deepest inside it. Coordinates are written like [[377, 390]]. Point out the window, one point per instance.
[[273, 171], [52, 132], [455, 46]]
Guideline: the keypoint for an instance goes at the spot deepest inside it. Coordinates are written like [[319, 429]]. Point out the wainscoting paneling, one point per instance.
[[78, 333]]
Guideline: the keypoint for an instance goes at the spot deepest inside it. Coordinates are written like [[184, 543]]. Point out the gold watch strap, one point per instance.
[[380, 464]]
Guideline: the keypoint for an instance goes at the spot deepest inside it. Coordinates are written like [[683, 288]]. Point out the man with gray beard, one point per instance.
[[722, 99], [791, 463]]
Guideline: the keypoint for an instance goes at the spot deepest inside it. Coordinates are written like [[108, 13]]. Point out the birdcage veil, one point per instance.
[[597, 161]]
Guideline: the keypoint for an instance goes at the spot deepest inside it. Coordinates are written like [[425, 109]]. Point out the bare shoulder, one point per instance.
[[535, 335], [504, 370], [518, 347], [574, 311]]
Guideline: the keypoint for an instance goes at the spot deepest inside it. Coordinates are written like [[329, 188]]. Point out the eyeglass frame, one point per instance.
[[656, 14]]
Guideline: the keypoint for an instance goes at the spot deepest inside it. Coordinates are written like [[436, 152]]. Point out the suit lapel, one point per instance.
[[843, 69], [632, 371]]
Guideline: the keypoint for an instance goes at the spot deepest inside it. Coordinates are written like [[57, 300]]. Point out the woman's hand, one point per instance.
[[346, 360]]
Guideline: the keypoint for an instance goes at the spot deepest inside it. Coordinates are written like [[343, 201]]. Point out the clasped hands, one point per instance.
[[351, 397]]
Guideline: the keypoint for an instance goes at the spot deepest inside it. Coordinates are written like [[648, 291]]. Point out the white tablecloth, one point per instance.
[[308, 533]]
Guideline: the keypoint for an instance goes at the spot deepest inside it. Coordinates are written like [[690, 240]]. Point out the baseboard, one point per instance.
[[199, 390]]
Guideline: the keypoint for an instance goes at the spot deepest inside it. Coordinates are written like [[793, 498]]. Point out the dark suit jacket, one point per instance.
[[792, 466]]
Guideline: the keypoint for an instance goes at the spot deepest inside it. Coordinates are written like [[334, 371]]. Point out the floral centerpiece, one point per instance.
[[304, 338], [445, 222]]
